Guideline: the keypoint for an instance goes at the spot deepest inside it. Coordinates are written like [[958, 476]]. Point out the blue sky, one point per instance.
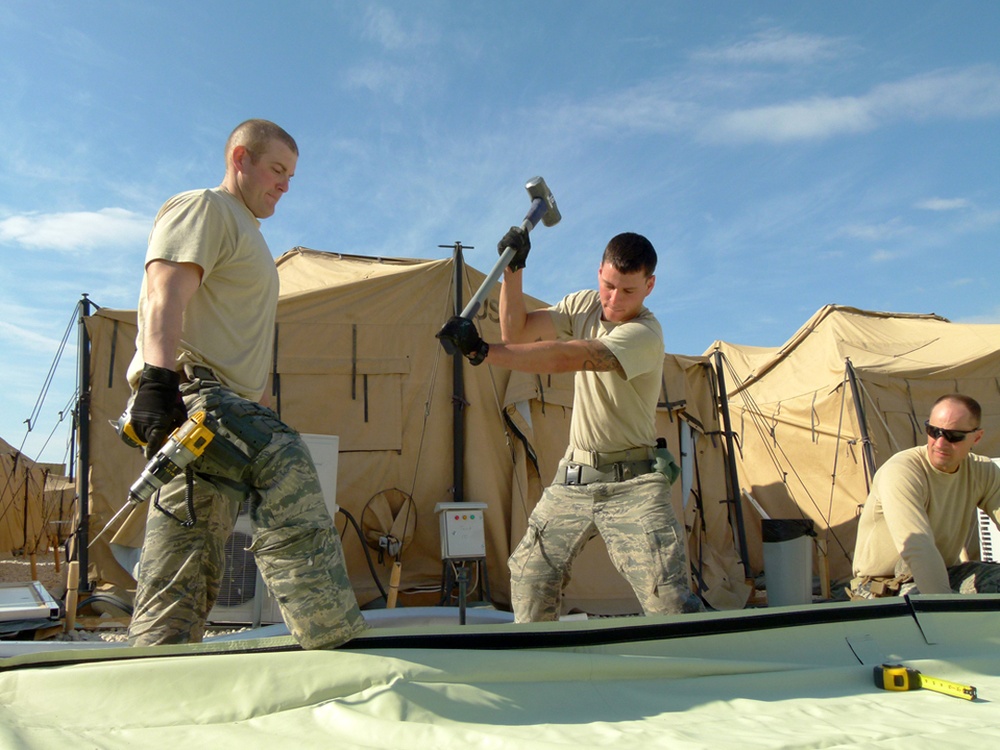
[[780, 155]]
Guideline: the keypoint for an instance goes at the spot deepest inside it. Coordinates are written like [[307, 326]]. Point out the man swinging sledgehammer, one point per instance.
[[606, 483]]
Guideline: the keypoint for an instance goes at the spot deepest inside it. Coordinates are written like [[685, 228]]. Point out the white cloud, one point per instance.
[[642, 108], [885, 256], [942, 204], [703, 103], [980, 220], [954, 95], [78, 230], [396, 82], [814, 118], [384, 27], [25, 338], [875, 232], [775, 46]]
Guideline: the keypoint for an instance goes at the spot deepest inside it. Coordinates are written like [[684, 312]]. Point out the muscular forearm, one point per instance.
[[169, 288], [513, 311], [162, 335], [517, 325], [545, 357]]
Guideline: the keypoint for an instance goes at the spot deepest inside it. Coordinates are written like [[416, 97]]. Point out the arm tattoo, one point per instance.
[[600, 359]]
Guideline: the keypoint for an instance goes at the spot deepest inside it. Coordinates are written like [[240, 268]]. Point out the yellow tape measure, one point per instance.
[[898, 677]]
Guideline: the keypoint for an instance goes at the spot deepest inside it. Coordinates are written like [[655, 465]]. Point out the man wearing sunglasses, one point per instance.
[[921, 509]]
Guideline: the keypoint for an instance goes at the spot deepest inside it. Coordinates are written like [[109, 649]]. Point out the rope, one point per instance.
[[32, 420], [774, 450], [68, 409], [40, 401]]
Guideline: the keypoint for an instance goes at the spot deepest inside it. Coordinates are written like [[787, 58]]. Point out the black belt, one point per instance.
[[574, 473]]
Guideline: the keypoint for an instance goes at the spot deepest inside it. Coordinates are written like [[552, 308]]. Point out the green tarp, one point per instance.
[[781, 677]]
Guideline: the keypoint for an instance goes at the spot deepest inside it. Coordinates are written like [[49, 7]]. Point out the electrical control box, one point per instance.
[[463, 534]]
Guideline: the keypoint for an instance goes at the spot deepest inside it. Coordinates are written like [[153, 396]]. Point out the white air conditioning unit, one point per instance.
[[989, 534], [243, 597]]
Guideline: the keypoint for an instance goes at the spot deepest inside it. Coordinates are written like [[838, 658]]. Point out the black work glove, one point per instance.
[[460, 335], [157, 409], [516, 238]]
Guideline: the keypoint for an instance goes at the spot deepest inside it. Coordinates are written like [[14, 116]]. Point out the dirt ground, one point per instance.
[[109, 625], [19, 570]]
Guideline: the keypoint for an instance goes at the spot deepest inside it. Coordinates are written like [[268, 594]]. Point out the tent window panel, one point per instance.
[[366, 412], [316, 347]]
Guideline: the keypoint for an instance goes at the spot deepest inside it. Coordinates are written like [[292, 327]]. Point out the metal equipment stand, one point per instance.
[[456, 573]]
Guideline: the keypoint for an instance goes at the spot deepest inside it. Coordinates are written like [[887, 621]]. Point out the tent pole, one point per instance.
[[83, 443], [734, 500], [859, 412], [458, 387]]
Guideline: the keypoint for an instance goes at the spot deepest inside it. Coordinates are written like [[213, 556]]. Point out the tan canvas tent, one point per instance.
[[815, 417], [31, 504], [356, 357]]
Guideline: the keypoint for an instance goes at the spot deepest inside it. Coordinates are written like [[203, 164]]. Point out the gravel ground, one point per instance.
[[18, 570], [89, 628]]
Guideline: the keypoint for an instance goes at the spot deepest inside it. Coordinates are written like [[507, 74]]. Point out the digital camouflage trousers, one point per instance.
[[643, 536], [295, 543]]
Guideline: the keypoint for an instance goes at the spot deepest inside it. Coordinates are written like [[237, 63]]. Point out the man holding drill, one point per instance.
[[206, 320], [606, 483]]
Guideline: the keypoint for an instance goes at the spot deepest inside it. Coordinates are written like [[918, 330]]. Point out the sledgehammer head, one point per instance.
[[537, 188]]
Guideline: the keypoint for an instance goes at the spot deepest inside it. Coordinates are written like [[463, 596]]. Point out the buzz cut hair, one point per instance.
[[968, 402], [629, 252], [255, 136]]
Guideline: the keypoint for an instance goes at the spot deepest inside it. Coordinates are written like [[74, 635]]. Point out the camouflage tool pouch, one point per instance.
[[242, 430]]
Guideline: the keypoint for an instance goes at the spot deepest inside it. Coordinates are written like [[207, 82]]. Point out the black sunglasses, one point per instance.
[[952, 436]]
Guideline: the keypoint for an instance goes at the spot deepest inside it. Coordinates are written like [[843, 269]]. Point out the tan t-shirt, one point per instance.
[[611, 413], [229, 323], [923, 516]]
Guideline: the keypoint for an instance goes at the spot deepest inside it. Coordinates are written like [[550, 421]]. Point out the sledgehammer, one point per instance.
[[544, 209]]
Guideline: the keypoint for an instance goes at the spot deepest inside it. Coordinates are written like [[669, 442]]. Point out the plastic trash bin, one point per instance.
[[788, 560]]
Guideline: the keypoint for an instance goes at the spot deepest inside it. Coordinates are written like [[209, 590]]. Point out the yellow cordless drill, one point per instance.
[[185, 445]]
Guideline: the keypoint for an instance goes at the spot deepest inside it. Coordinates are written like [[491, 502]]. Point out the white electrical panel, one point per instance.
[[462, 531]]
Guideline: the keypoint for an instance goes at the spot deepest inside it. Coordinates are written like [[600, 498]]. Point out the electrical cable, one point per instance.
[[106, 599], [364, 548]]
